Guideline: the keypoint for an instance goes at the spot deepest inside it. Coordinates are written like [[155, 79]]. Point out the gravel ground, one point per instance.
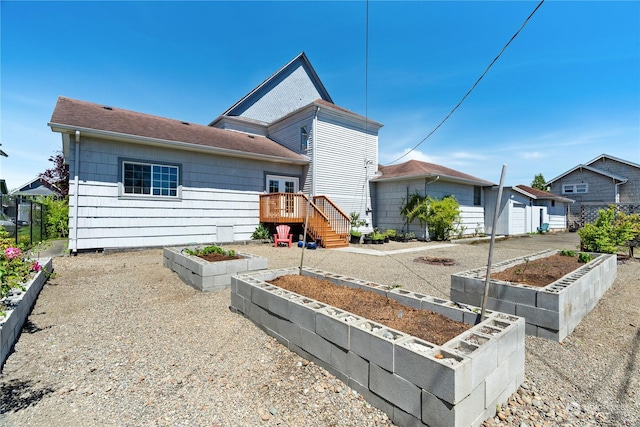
[[118, 340]]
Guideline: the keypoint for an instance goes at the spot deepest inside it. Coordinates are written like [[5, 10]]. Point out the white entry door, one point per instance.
[[281, 184]]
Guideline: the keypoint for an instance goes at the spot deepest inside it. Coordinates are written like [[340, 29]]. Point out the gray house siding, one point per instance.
[[390, 195], [600, 188], [276, 100], [629, 191], [107, 218]]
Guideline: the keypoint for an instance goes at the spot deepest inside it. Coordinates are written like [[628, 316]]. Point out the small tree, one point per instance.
[[443, 217], [440, 216], [58, 176], [607, 233], [539, 182]]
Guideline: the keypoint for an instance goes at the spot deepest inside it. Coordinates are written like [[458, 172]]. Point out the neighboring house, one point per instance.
[[139, 180], [36, 187], [603, 180], [394, 184], [523, 209], [27, 192]]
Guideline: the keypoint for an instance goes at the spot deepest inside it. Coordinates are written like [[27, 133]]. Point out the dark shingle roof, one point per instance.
[[542, 195], [416, 168], [86, 115]]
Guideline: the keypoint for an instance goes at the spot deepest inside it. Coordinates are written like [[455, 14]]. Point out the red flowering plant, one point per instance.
[[15, 268]]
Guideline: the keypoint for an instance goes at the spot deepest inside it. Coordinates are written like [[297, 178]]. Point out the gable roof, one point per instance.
[[606, 156], [297, 83], [36, 187], [592, 169], [536, 194], [417, 169], [102, 121]]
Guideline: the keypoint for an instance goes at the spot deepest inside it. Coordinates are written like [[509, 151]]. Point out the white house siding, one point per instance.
[[203, 214], [390, 195], [346, 157]]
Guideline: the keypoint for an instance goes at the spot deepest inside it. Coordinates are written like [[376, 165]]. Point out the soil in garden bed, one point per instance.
[[427, 325], [540, 272], [218, 257]]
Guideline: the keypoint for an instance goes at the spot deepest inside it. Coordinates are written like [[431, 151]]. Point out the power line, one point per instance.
[[474, 85]]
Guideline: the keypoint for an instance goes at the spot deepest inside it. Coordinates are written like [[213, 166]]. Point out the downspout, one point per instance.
[[312, 188], [426, 194], [617, 190], [76, 179]]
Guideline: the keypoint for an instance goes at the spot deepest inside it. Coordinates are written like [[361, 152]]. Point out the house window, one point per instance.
[[575, 188], [282, 184], [477, 196], [304, 139], [150, 179]]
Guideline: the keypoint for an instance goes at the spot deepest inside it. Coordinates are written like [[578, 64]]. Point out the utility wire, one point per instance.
[[474, 85]]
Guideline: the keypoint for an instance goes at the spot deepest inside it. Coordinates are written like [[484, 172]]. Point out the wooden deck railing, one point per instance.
[[339, 221], [325, 218]]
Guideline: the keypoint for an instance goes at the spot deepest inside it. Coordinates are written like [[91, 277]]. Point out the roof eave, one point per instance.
[[62, 128], [434, 175]]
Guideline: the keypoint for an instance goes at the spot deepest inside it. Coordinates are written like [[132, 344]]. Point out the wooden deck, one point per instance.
[[327, 224]]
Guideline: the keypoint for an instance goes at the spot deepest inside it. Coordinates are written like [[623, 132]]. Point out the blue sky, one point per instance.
[[566, 90]]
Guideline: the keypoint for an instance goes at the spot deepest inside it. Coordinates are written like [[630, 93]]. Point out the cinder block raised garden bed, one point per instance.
[[209, 276], [415, 382], [551, 312], [19, 305]]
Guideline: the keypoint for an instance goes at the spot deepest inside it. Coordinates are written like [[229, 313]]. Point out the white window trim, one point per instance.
[[574, 188], [282, 178], [121, 190]]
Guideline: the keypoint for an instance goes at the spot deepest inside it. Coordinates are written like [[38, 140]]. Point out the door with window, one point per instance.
[[286, 203]]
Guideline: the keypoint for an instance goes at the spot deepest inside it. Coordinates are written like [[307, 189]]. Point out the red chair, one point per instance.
[[282, 235]]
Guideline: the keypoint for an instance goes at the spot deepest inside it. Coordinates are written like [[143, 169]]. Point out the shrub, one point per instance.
[[56, 216], [213, 249], [15, 268], [607, 233], [584, 257], [440, 216], [261, 233], [568, 252]]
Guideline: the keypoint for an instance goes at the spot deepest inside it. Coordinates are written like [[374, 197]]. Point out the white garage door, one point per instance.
[[518, 225]]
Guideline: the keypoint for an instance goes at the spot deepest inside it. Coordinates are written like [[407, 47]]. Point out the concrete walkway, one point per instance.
[[375, 252], [54, 248]]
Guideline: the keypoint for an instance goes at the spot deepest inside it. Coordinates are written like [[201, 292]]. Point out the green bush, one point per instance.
[[261, 233], [56, 218], [584, 257], [440, 216], [213, 249], [607, 233], [567, 252]]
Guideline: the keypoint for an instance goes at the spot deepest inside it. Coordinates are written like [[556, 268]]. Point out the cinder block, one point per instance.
[[539, 316], [237, 302], [396, 389], [501, 306], [517, 294], [439, 413], [401, 418], [333, 328], [450, 381], [372, 398], [372, 344], [410, 299], [358, 369], [303, 312], [315, 344], [261, 295]]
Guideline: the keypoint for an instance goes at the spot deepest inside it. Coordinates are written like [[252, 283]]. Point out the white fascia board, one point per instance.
[[172, 144]]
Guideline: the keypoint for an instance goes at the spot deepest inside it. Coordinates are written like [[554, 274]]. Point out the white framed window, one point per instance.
[[581, 188], [281, 184], [149, 179], [304, 139]]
